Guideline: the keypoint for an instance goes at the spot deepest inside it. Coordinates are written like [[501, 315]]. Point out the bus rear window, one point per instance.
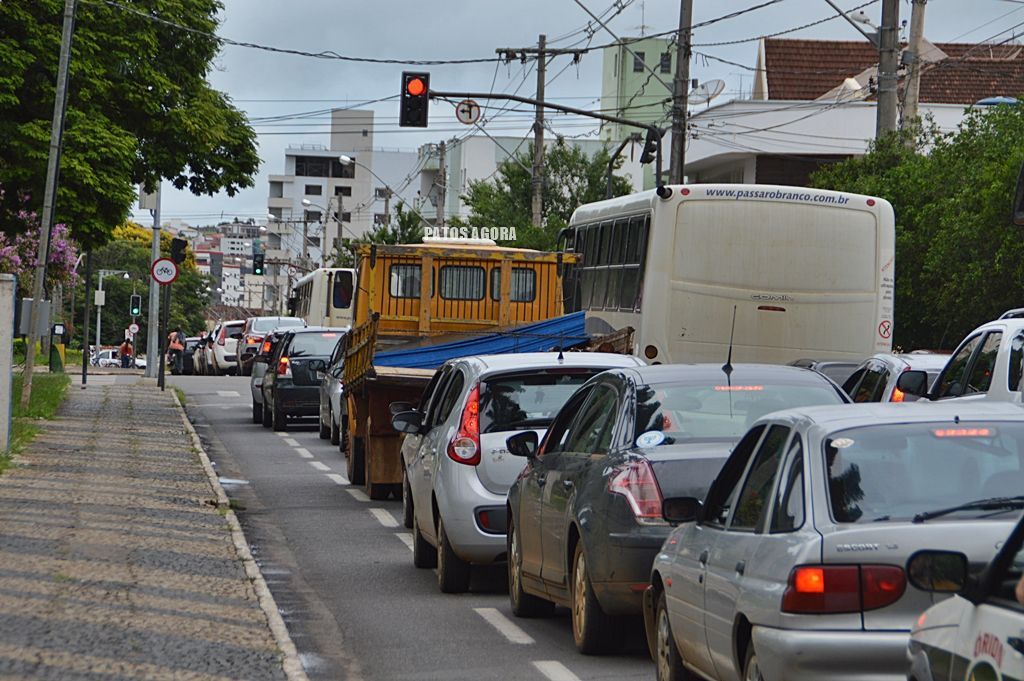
[[341, 296]]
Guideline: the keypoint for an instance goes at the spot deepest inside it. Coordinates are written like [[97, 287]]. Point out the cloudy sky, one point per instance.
[[266, 84]]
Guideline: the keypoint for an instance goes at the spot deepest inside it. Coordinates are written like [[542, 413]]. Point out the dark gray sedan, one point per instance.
[[291, 386], [585, 514]]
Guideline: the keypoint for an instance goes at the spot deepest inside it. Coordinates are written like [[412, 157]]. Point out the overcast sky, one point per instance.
[[266, 84]]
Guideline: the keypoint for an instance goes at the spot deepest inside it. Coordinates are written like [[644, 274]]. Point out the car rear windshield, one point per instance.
[[689, 412], [894, 472], [314, 344], [270, 323], [531, 399]]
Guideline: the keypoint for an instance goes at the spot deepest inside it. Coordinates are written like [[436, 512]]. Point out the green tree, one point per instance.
[[406, 227], [959, 259], [572, 178], [139, 109]]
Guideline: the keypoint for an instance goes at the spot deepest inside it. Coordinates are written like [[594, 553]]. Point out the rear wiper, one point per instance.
[[981, 505], [526, 422]]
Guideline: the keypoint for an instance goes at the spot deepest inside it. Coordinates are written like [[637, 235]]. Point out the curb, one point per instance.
[[293, 668]]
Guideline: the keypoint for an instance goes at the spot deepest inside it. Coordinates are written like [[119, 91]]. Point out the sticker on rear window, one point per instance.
[[651, 438], [842, 442]]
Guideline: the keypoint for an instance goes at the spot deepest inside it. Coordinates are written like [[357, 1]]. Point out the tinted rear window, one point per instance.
[[527, 400], [713, 412], [893, 472], [314, 344], [271, 323]]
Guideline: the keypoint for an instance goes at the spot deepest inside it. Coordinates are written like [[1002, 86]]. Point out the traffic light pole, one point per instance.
[[653, 132]]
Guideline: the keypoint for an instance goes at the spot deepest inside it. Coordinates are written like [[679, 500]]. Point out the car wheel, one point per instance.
[[343, 437], [280, 418], [335, 431], [591, 627], [523, 604], [452, 572], [257, 412], [325, 432], [423, 554], [268, 416], [354, 463], [668, 661], [751, 668], [407, 511]]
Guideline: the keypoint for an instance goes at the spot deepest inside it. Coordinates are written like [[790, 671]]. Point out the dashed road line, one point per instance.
[[280, 433], [384, 517], [303, 452], [291, 442], [505, 626], [319, 466], [228, 393], [358, 494], [338, 478], [555, 670], [406, 538]]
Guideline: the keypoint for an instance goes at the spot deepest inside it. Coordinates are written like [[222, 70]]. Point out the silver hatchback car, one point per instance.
[[456, 465], [796, 565]]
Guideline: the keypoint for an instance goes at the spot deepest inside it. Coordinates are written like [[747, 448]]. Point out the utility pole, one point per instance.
[[49, 197], [153, 319], [888, 62], [913, 56], [442, 186], [680, 94]]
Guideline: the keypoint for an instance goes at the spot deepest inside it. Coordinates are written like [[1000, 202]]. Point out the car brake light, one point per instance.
[[465, 446], [636, 482], [253, 340], [284, 368], [739, 388], [266, 347], [963, 432], [833, 589]]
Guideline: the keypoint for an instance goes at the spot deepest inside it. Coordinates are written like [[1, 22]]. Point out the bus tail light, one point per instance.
[[465, 446], [834, 589], [636, 482], [650, 352]]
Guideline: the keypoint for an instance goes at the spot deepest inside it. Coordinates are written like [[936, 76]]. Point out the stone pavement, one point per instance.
[[115, 560]]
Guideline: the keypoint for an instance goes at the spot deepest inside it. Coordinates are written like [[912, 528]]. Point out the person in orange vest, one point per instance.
[[126, 351]]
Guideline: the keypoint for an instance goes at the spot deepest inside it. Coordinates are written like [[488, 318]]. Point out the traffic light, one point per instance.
[[651, 145], [136, 305], [415, 98], [178, 247], [257, 263]]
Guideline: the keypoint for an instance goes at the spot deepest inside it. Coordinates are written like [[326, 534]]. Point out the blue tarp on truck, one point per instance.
[[560, 333]]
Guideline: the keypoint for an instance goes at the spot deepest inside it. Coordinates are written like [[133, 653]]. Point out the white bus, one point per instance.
[[324, 297], [809, 272]]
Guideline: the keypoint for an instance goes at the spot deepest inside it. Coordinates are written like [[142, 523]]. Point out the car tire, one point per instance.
[[407, 510], [354, 463], [268, 416], [325, 431], [343, 438], [523, 604], [591, 627], [257, 412], [668, 663], [751, 668], [453, 573], [335, 431], [280, 419], [424, 556]]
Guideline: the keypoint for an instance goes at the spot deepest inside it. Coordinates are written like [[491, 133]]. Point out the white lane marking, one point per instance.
[[504, 625], [228, 393], [338, 478], [358, 494], [406, 538], [303, 452], [291, 442], [555, 670], [384, 517], [280, 433], [319, 466]]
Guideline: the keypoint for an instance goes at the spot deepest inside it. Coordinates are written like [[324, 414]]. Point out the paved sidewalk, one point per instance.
[[114, 559]]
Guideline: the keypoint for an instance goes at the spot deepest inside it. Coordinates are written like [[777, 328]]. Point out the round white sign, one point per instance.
[[134, 328], [467, 111], [164, 271]]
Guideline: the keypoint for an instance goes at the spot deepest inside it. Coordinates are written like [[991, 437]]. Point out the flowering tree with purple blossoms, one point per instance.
[[19, 254]]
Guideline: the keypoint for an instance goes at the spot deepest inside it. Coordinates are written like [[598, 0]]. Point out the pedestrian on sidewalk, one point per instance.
[[126, 351], [176, 349]]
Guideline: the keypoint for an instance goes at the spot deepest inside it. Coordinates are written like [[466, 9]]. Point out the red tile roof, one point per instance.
[[807, 69]]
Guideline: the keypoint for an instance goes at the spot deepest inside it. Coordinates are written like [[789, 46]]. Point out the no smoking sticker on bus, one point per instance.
[[885, 329]]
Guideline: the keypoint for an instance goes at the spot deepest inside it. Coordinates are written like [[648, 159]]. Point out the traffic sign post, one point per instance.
[[164, 271]]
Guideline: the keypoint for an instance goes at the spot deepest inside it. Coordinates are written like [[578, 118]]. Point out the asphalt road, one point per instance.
[[340, 567]]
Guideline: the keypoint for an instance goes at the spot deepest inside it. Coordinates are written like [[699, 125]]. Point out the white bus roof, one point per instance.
[[319, 272]]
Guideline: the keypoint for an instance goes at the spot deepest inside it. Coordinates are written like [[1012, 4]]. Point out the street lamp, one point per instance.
[[99, 308], [348, 161]]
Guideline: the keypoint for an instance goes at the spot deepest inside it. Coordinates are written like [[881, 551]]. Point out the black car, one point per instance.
[[188, 365], [291, 385], [585, 516]]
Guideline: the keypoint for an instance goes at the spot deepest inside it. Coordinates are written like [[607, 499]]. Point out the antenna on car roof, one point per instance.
[[727, 367]]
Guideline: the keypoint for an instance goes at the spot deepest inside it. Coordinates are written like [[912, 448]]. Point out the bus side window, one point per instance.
[[616, 256], [341, 296]]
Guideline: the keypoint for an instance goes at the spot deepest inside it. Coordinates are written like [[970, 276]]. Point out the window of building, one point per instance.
[[314, 190], [666, 62], [380, 218], [461, 282], [311, 216], [312, 166], [346, 217], [523, 288], [343, 171], [343, 191], [638, 62], [381, 192], [276, 189], [405, 281]]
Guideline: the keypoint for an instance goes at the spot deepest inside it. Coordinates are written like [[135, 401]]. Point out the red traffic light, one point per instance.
[[415, 87]]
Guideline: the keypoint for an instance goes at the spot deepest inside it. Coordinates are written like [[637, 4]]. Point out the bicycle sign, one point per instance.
[[164, 271]]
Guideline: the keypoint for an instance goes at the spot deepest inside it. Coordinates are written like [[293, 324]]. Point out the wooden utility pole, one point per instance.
[[888, 62], [680, 94], [442, 185], [910, 117]]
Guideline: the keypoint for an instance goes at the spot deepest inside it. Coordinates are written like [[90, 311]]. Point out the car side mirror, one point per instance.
[[913, 382], [407, 422], [678, 510], [938, 571], [399, 407], [523, 444]]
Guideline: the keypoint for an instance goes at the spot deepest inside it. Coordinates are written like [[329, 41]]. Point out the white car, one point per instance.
[[874, 379], [224, 351], [108, 358], [979, 633]]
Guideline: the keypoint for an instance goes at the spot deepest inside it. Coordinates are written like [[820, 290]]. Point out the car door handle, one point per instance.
[[1016, 643], [567, 484], [703, 558], [741, 566]]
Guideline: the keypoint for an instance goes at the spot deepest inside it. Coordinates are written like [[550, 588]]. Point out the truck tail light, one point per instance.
[[833, 589], [636, 482], [465, 446], [284, 368]]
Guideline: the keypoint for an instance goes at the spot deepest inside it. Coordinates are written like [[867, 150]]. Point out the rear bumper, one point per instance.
[[629, 559], [799, 655], [296, 400], [460, 494]]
